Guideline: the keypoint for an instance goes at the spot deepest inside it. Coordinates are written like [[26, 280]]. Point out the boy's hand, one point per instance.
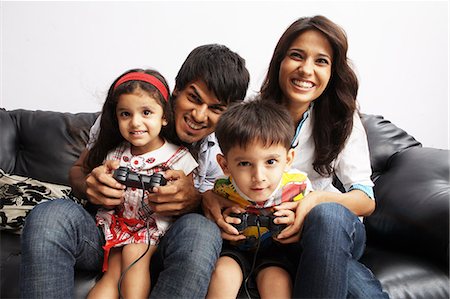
[[232, 234], [178, 197], [101, 188], [291, 234], [284, 216]]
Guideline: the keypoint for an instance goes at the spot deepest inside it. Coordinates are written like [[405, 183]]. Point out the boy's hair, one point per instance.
[[109, 135], [255, 120], [222, 70]]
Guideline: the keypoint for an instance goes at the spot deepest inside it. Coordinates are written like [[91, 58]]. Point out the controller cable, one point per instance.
[[122, 275], [258, 224]]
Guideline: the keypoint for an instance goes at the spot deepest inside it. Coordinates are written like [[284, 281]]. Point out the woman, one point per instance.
[[309, 74]]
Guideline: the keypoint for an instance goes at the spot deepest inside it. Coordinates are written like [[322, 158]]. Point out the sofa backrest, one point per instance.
[[42, 144]]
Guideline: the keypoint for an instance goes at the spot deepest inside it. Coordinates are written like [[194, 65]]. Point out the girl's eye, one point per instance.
[[124, 114], [147, 112]]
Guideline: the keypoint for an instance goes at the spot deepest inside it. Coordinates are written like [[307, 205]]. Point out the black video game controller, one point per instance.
[[132, 179], [249, 220]]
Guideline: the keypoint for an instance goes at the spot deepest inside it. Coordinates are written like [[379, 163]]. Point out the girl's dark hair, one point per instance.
[[334, 109], [254, 120], [109, 136]]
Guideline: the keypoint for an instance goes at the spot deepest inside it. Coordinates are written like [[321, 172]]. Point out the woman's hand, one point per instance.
[[178, 197]]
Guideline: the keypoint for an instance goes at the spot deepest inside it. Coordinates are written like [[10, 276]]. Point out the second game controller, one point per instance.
[[252, 220]]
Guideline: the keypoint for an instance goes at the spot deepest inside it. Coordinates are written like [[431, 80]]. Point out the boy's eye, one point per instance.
[[244, 163], [271, 161]]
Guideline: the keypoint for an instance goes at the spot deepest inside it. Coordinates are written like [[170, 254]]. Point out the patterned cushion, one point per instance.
[[18, 195]]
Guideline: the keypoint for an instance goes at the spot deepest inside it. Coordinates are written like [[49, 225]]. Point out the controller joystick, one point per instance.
[[130, 178]]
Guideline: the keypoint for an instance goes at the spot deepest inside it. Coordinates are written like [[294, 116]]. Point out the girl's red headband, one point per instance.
[[144, 77]]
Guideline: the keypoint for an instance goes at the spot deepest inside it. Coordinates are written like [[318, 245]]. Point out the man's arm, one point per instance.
[[176, 198], [77, 176]]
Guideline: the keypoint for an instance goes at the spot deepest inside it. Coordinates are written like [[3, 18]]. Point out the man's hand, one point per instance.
[[178, 197], [101, 188], [212, 207]]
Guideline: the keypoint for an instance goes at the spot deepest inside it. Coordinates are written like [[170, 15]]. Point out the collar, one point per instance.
[[300, 124], [208, 142]]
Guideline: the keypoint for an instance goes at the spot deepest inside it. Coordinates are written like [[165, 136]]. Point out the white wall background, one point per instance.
[[63, 56]]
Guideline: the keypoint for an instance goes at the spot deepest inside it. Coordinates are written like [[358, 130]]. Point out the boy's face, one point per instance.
[[196, 112], [256, 169]]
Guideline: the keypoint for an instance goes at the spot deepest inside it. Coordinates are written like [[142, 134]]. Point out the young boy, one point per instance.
[[255, 138]]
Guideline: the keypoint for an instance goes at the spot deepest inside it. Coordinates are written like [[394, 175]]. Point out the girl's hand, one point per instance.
[[101, 188]]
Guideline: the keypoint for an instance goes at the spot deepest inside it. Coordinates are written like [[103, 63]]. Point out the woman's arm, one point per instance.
[[356, 201]]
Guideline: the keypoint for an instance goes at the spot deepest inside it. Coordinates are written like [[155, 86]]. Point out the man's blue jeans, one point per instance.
[[60, 236], [332, 241]]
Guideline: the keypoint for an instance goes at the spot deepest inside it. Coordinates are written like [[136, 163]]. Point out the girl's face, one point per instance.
[[305, 70], [256, 172], [140, 119]]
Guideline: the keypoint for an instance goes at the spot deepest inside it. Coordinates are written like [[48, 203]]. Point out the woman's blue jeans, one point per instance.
[[332, 241], [60, 236]]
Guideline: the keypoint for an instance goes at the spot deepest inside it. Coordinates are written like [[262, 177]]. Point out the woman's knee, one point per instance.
[[329, 213]]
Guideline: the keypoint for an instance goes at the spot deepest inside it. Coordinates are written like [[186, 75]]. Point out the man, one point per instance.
[[60, 236]]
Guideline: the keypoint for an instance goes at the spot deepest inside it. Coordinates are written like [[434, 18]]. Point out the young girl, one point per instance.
[[132, 131]]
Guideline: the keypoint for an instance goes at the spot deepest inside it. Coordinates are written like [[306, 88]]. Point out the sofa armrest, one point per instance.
[[413, 195]]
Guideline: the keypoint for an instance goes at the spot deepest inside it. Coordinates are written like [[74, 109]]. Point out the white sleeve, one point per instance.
[[186, 163], [93, 133], [353, 163]]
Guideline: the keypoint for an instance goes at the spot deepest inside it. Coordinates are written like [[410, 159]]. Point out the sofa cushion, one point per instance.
[[18, 195]]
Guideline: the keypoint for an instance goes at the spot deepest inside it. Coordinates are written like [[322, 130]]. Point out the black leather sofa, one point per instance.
[[408, 234]]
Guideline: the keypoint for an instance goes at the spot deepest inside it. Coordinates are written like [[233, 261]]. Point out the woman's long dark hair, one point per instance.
[[334, 109], [109, 136]]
